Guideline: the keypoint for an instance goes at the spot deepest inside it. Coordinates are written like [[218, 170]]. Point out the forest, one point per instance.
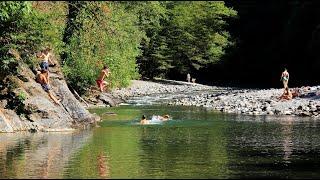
[[229, 43]]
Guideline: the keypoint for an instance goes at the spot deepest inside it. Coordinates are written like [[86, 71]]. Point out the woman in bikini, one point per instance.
[[285, 78]]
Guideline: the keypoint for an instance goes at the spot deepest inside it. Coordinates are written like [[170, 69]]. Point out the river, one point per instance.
[[196, 143]]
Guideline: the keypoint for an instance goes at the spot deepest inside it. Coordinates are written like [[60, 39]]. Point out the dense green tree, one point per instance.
[[182, 36], [101, 33], [197, 34], [24, 30]]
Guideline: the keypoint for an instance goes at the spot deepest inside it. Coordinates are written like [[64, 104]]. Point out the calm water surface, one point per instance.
[[197, 143]]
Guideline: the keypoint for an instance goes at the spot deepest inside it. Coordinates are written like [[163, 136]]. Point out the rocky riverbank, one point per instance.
[[25, 106], [142, 89], [229, 100], [257, 102]]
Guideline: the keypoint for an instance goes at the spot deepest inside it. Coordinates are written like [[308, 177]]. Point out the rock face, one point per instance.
[[40, 112]]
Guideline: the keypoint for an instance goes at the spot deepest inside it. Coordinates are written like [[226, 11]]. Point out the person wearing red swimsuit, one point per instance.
[[105, 72]]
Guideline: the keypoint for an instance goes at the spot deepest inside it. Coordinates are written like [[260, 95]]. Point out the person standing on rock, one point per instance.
[[105, 72], [42, 79], [188, 77], [45, 56], [285, 78]]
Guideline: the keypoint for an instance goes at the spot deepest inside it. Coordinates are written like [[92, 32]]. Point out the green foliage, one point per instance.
[[23, 31], [191, 36], [107, 35], [21, 96], [13, 16], [153, 60], [151, 38], [197, 34]]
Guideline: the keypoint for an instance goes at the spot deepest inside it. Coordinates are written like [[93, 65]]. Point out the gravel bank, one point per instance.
[[229, 100], [257, 102]]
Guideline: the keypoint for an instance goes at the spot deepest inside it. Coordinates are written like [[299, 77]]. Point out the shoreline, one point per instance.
[[224, 99]]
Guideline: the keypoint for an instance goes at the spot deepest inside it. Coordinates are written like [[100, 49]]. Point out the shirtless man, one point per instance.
[[45, 57], [42, 79], [105, 72], [144, 120]]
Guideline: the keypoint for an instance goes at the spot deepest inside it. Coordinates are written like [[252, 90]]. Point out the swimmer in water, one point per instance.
[[144, 120], [160, 118], [154, 118], [164, 117]]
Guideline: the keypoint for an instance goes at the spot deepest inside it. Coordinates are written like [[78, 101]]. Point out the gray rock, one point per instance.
[[287, 112], [270, 112], [277, 111], [5, 124], [304, 113]]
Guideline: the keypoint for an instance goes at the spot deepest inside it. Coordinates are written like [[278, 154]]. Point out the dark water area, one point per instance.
[[196, 143]]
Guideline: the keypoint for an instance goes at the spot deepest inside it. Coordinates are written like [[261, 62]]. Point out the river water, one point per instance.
[[196, 143]]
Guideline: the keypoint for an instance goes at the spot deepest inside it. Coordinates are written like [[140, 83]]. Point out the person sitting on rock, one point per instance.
[[287, 95], [105, 72], [43, 80], [144, 120], [296, 93]]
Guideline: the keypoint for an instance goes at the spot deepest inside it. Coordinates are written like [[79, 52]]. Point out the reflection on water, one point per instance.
[[38, 155], [196, 143]]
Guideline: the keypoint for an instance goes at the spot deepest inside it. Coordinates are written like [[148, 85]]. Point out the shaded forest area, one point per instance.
[[271, 35]]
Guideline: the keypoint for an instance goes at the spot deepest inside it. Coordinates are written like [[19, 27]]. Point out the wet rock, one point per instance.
[[107, 99]]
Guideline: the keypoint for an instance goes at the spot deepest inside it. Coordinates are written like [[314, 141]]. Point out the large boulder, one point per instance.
[[40, 113], [108, 99]]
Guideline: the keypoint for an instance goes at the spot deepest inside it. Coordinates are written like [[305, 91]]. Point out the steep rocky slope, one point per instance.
[[25, 106]]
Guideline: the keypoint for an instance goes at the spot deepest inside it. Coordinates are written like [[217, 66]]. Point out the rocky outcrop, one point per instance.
[[37, 112]]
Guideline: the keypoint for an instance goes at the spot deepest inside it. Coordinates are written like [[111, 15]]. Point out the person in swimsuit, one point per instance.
[[105, 72], [154, 118], [285, 78], [42, 79], [45, 57], [188, 77]]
